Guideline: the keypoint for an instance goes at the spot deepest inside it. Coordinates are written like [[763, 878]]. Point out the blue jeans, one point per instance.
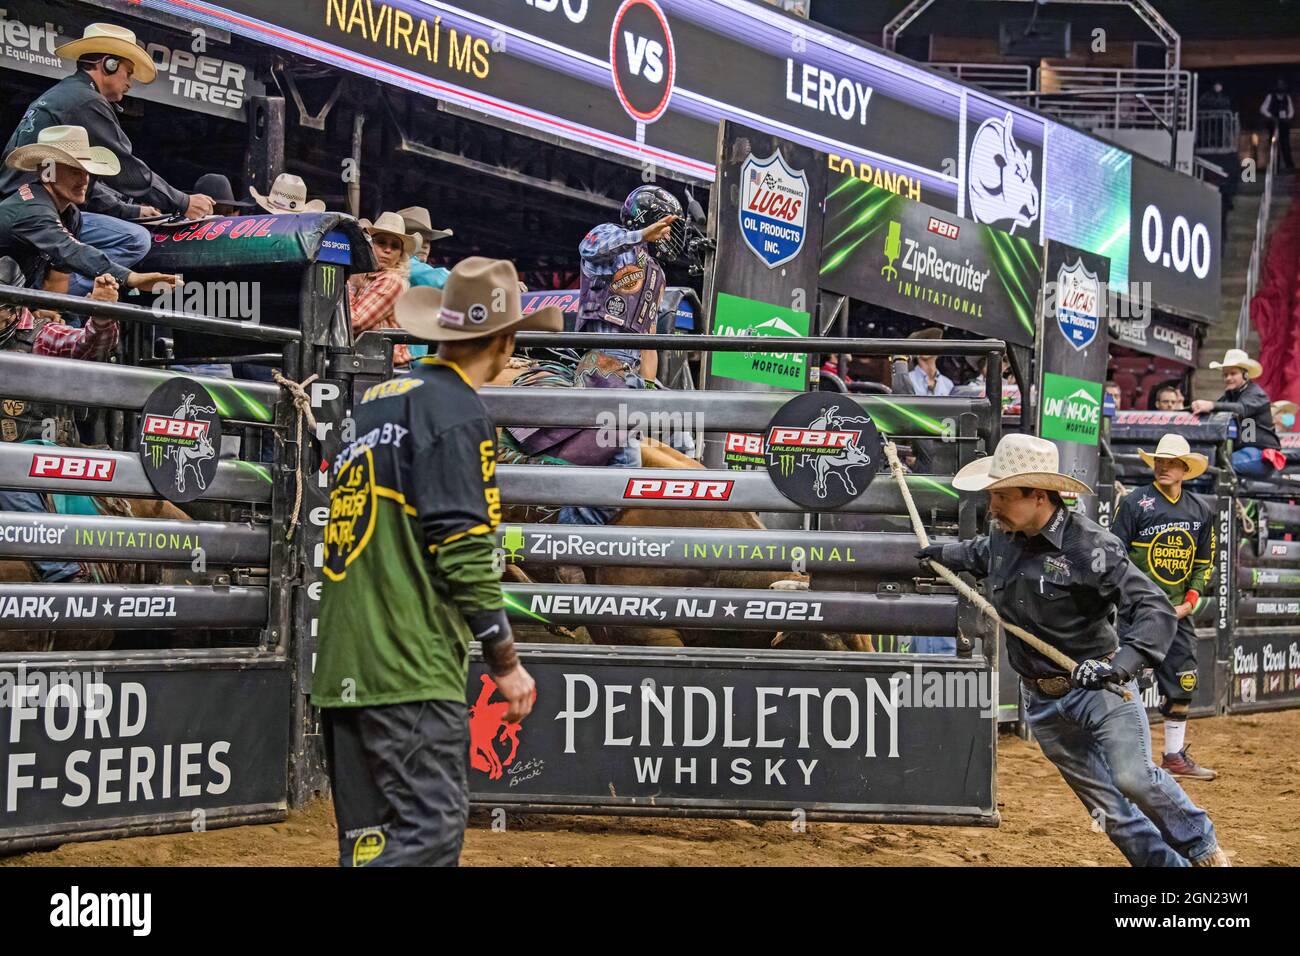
[[1102, 746], [934, 645], [1250, 463], [29, 502], [628, 457], [126, 243]]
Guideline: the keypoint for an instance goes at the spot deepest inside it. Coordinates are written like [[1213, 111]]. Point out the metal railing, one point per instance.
[[1217, 131], [1094, 98], [1257, 250], [998, 77]]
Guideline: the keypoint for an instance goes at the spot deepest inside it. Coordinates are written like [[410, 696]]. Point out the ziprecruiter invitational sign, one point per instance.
[[180, 439], [822, 449]]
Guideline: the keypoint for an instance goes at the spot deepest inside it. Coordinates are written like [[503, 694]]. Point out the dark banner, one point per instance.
[[109, 538], [261, 239], [1265, 669], [1155, 335], [1134, 425], [891, 251], [716, 731], [79, 607], [194, 72], [95, 748], [1072, 353], [1175, 239]]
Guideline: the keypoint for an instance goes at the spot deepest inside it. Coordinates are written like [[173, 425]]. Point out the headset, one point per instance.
[[110, 63]]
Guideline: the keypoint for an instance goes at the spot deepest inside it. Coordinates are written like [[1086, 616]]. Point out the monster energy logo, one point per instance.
[[327, 280], [157, 451], [787, 464]]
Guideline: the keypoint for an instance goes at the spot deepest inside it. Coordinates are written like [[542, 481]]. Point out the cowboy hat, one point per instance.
[[1173, 446], [933, 332], [111, 40], [1019, 461], [1283, 407], [1237, 358], [391, 224], [68, 146], [288, 194], [217, 187], [417, 221], [481, 298]]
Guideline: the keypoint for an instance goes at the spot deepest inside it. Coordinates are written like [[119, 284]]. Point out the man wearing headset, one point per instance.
[[108, 59]]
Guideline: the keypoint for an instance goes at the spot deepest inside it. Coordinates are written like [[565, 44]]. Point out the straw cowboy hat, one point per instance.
[[288, 194], [68, 146], [1173, 446], [114, 41], [417, 221], [1283, 407], [1237, 358], [1020, 461], [391, 224], [481, 298]]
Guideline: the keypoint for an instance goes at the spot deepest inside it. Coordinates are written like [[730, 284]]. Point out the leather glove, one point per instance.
[[932, 553], [1094, 675]]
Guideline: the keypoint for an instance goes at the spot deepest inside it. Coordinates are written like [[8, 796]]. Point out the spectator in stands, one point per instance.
[[925, 376], [108, 59], [1170, 399], [1113, 390], [1256, 450], [1278, 109], [23, 420], [40, 222], [372, 295], [288, 194], [1284, 414], [224, 202], [417, 221]]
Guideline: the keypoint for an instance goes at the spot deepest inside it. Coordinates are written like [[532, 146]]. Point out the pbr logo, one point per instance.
[[823, 450], [773, 208], [180, 437], [1078, 294], [72, 467]]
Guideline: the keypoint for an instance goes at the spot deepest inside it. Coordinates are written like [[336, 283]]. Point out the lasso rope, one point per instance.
[[968, 592], [302, 402]]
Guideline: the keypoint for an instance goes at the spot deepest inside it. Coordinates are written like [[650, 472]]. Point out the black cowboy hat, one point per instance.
[[218, 187]]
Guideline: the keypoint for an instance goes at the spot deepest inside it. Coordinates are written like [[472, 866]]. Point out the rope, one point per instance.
[[302, 402], [1247, 522], [969, 593]]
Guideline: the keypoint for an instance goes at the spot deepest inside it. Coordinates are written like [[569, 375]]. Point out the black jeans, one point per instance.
[[400, 779]]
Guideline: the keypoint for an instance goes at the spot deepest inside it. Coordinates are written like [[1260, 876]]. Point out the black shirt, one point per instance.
[[37, 236], [75, 101], [1250, 403], [1064, 585]]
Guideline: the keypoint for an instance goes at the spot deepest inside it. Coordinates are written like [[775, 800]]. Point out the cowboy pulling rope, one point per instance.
[[968, 592], [302, 402]]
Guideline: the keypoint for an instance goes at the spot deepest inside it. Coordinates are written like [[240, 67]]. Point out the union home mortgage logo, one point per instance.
[[679, 489], [72, 468]]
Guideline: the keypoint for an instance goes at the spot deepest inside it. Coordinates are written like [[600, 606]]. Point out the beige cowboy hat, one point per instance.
[[417, 221], [111, 40], [68, 146], [288, 194], [1019, 461], [1283, 407], [390, 223], [481, 298], [1237, 358], [1175, 446]]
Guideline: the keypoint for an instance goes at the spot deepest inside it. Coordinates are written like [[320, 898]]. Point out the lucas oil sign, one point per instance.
[[773, 208], [1078, 304]]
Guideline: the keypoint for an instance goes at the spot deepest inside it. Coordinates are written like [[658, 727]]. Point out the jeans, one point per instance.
[[628, 457], [29, 502], [1102, 746], [1250, 463], [126, 243], [934, 645]]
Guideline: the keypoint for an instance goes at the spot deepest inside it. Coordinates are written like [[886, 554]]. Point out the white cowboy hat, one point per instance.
[[391, 224], [417, 221], [1283, 407], [1020, 461], [1237, 358], [111, 40], [68, 146], [481, 298], [1175, 446], [288, 194]]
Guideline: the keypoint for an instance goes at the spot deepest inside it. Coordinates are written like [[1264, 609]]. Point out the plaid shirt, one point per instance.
[[94, 343], [373, 307]]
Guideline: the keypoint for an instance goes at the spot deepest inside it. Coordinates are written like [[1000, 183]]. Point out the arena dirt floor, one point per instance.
[[1254, 803]]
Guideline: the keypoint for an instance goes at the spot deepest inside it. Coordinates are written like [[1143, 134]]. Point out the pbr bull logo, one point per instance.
[[1078, 294], [773, 208], [822, 450], [489, 728], [180, 435], [1001, 177]]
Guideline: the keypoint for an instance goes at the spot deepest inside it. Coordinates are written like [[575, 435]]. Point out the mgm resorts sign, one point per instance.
[[853, 738]]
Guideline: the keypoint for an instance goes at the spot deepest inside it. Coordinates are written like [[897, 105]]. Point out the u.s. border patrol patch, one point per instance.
[[1169, 559], [352, 515], [1187, 681], [367, 847]]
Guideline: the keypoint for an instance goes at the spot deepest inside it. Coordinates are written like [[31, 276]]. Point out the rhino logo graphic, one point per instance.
[[1001, 177], [487, 728]]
